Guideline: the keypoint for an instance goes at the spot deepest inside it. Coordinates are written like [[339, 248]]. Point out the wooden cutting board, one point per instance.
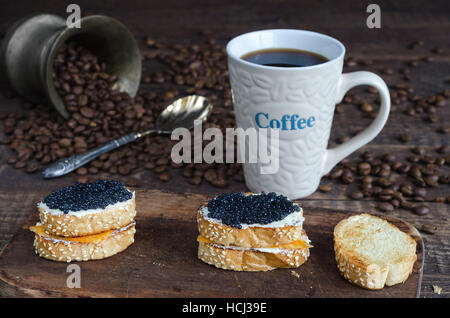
[[163, 262]]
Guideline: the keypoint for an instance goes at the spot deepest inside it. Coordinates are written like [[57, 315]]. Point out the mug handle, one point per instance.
[[346, 82]]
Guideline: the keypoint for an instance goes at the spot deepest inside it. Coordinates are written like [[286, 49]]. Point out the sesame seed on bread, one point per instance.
[[250, 259], [85, 222], [89, 208], [63, 249], [248, 237], [252, 232], [77, 224], [371, 252]]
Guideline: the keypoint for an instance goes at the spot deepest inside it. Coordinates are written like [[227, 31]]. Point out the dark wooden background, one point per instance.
[[180, 21]]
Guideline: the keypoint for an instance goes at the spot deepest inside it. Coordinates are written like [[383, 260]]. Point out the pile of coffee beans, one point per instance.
[[395, 183], [99, 113]]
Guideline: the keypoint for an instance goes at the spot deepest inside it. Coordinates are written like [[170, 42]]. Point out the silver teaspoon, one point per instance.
[[180, 114]]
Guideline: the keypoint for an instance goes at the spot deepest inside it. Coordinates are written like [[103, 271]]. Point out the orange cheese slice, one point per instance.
[[292, 245], [94, 238]]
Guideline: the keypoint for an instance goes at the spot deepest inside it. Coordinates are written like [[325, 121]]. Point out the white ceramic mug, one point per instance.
[[262, 95]]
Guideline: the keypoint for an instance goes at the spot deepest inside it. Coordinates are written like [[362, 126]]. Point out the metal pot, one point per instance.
[[31, 44]]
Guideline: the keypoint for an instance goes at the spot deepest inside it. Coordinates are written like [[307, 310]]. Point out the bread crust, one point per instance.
[[249, 259], [359, 270], [71, 225], [250, 237], [68, 251]]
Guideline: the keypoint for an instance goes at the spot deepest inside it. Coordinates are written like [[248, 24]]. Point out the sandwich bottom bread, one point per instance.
[[83, 248], [252, 232], [245, 259], [85, 222], [371, 252]]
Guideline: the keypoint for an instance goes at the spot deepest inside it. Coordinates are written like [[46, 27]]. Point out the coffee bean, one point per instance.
[[443, 149], [444, 179], [82, 171], [404, 137], [439, 199], [87, 112], [356, 195], [31, 167], [219, 182], [440, 161], [427, 159], [124, 170], [386, 194], [420, 192], [383, 182], [415, 172], [176, 165], [364, 168], [325, 188], [337, 173], [347, 176], [366, 107], [388, 157], [162, 161], [92, 170], [432, 180], [429, 228], [421, 210], [164, 177], [418, 151], [195, 180], [445, 129], [343, 139], [65, 142], [198, 172], [385, 207], [407, 190], [149, 165], [160, 169], [210, 175], [367, 179], [83, 179], [12, 160], [407, 205], [397, 165]]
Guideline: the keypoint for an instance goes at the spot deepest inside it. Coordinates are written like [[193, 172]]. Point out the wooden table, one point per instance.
[[179, 21]]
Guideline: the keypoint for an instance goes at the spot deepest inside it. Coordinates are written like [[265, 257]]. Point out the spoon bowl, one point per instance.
[[182, 113]]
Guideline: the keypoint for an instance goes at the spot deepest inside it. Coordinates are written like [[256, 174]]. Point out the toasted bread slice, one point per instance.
[[241, 259], [371, 252]]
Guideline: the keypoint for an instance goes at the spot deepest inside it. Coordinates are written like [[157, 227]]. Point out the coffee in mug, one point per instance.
[[284, 58]]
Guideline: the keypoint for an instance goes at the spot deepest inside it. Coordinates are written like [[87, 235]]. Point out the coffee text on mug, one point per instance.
[[286, 122]]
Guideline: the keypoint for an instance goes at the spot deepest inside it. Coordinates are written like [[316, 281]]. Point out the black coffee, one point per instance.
[[284, 58]]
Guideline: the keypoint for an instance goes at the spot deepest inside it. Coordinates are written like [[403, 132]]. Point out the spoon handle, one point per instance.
[[67, 165]]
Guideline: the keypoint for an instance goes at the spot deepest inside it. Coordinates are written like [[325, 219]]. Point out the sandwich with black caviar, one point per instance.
[[252, 232], [85, 222]]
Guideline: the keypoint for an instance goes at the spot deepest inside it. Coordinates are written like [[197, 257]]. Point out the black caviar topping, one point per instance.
[[85, 196], [234, 208]]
